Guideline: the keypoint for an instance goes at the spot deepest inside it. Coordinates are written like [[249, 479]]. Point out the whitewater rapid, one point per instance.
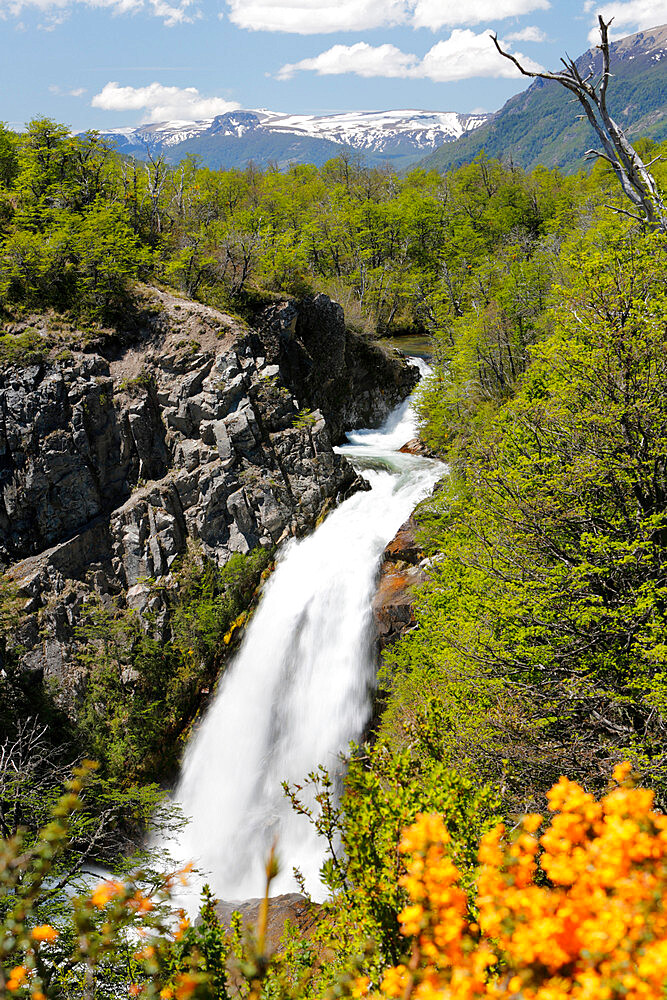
[[299, 689]]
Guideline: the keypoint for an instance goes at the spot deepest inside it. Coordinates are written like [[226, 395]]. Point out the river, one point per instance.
[[300, 687]]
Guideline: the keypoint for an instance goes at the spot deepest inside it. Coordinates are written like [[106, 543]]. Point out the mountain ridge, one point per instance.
[[541, 126], [236, 137]]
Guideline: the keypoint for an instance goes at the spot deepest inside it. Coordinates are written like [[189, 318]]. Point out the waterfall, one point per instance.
[[299, 689]]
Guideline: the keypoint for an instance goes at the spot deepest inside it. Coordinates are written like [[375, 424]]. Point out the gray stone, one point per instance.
[[240, 432], [107, 478]]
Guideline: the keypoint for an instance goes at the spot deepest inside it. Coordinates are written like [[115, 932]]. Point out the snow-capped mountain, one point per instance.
[[263, 136], [379, 131]]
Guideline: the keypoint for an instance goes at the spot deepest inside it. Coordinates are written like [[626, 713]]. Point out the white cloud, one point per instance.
[[159, 103], [362, 59], [631, 16], [309, 17], [528, 34], [61, 92], [460, 57], [464, 55], [436, 14], [56, 11]]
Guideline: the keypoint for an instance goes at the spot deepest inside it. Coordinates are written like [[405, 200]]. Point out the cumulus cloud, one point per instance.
[[461, 56], [528, 34], [362, 59], [309, 17], [56, 11], [629, 16], [464, 55], [436, 14], [159, 103]]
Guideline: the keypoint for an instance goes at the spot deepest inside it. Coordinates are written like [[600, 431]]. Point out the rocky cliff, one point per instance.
[[186, 426]]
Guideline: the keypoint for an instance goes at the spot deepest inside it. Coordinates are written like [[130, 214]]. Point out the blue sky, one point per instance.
[[106, 63]]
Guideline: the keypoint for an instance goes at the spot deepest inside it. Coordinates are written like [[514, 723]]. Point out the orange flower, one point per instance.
[[360, 987], [105, 892], [17, 978], [597, 926], [44, 932], [186, 984]]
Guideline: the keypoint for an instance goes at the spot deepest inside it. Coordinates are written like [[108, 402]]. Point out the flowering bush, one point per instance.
[[577, 912]]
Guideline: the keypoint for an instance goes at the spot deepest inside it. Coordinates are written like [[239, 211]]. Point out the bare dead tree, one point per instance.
[[157, 174], [591, 91], [28, 773]]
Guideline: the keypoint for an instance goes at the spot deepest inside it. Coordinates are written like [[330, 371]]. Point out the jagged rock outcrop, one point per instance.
[[352, 381], [189, 426]]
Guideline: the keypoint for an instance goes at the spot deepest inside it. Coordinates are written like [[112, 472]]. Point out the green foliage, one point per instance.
[[78, 226], [141, 690], [66, 243], [383, 792], [81, 941], [303, 419], [202, 951], [21, 348], [544, 613]]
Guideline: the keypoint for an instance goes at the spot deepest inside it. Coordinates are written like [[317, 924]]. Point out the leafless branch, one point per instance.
[[637, 183]]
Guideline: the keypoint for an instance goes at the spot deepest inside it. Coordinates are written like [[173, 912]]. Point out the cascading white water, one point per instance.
[[299, 688]]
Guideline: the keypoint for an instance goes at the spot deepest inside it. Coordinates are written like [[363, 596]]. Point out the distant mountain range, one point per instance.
[[540, 125], [233, 139]]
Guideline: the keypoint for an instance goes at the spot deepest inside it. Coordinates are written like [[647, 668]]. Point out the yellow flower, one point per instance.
[[600, 920], [17, 978], [622, 771], [360, 986]]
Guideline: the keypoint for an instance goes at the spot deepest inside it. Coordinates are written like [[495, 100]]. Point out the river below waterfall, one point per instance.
[[300, 687]]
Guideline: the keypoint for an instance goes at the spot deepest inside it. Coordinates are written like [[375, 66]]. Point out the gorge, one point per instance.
[[180, 443], [299, 689]]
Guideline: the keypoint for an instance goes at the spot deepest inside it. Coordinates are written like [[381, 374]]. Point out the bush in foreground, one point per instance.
[[578, 912]]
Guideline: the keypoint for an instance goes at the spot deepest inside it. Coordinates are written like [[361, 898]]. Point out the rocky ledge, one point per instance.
[[402, 570], [291, 908], [192, 426]]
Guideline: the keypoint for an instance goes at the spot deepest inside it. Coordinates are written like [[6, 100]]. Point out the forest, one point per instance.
[[541, 642]]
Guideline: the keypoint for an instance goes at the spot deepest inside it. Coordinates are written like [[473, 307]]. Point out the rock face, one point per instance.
[[109, 465], [353, 382], [291, 906], [401, 572]]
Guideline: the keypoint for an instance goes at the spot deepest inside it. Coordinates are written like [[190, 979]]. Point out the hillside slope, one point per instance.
[[542, 125]]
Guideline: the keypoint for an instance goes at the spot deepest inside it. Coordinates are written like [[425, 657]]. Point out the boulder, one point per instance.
[[415, 446], [292, 907]]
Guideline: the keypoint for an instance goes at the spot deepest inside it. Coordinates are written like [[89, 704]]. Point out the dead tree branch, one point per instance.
[[637, 183]]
